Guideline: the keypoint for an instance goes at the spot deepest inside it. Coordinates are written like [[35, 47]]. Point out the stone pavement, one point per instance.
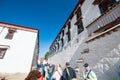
[[15, 76]]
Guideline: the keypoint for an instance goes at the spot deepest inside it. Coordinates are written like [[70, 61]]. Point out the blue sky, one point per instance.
[[48, 16]]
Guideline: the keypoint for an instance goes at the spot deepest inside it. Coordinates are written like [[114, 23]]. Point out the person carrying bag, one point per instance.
[[89, 74], [69, 73]]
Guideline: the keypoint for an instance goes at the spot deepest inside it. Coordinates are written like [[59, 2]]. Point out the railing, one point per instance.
[[109, 16], [103, 33]]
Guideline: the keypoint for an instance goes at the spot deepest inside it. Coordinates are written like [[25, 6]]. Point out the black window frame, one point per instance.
[[2, 52], [69, 25], [104, 7], [79, 13], [62, 32], [69, 37], [62, 41], [80, 28]]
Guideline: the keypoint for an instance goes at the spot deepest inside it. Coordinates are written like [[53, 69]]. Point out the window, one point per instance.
[[69, 26], [78, 16], [81, 2], [54, 48], [58, 46], [59, 38], [80, 28], [62, 32], [62, 42], [69, 37], [3, 49], [104, 5], [10, 33], [2, 52], [79, 13], [97, 2]]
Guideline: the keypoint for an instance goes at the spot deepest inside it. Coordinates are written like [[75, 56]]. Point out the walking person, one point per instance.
[[56, 74], [60, 69], [88, 74], [50, 72], [46, 71], [43, 70], [69, 73]]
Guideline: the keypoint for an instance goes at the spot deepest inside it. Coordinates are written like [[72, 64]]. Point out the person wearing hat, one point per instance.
[[69, 72], [88, 74]]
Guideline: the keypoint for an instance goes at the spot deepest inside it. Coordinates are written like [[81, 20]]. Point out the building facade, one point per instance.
[[90, 34], [19, 48]]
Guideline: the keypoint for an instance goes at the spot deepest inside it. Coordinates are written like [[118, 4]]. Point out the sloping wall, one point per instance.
[[103, 56]]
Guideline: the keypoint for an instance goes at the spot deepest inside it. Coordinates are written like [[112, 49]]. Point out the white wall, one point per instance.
[[73, 27], [89, 12], [18, 58]]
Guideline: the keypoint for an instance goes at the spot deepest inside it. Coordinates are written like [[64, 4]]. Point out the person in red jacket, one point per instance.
[[41, 78], [34, 74]]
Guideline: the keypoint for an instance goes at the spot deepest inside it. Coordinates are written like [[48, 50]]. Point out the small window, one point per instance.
[[3, 49], [69, 37], [63, 33], [62, 42], [10, 33], [80, 28], [69, 26], [79, 13], [59, 38], [54, 48], [2, 52], [58, 45], [105, 5]]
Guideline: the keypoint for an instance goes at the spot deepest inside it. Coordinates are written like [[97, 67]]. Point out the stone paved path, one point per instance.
[[16, 76]]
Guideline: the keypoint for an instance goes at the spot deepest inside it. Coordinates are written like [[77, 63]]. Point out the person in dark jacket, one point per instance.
[[68, 72]]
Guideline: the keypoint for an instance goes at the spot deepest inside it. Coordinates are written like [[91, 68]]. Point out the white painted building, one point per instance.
[[90, 34], [19, 48]]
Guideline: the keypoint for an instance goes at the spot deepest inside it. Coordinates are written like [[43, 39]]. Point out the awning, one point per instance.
[[4, 46]]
